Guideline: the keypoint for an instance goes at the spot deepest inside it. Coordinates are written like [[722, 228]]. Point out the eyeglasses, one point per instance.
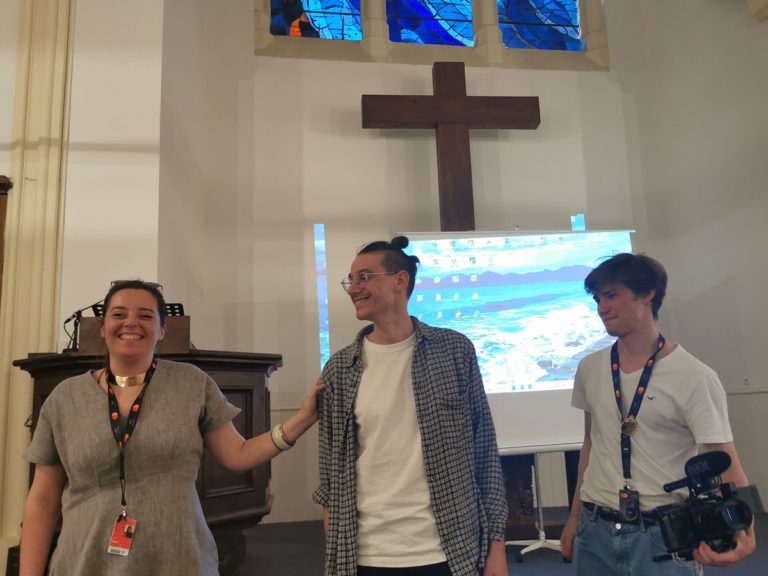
[[361, 278]]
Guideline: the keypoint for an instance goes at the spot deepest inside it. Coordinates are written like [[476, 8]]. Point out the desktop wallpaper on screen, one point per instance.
[[519, 297]]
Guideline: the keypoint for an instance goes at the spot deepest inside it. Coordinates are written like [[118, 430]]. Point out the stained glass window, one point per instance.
[[540, 24], [532, 24], [446, 22], [330, 19]]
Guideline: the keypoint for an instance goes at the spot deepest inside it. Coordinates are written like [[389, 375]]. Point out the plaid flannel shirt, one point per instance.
[[458, 440]]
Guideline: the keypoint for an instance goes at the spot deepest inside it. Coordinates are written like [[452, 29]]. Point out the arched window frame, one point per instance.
[[488, 50]]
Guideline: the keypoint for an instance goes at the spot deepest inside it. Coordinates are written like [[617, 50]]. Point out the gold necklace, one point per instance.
[[129, 381]]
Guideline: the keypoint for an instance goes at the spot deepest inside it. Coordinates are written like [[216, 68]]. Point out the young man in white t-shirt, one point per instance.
[[410, 476], [648, 406]]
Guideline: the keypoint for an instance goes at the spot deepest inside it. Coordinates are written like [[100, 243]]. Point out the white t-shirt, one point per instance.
[[684, 406], [395, 523]]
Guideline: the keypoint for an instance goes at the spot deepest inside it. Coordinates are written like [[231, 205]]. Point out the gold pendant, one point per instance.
[[629, 426]]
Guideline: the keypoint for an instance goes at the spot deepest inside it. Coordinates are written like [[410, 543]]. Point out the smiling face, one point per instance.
[[132, 327], [622, 311], [383, 295]]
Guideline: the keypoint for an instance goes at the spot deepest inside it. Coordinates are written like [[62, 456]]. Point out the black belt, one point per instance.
[[648, 518]]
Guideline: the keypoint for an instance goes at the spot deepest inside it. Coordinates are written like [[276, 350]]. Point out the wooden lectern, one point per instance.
[[231, 501]]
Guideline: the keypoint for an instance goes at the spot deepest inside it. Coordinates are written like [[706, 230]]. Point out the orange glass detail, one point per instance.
[[295, 31]]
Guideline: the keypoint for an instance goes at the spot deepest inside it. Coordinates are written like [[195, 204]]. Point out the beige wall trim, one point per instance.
[[758, 9], [376, 47], [30, 292]]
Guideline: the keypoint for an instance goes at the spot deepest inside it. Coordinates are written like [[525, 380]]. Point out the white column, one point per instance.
[[485, 14], [593, 26], [375, 29], [262, 18], [30, 293]]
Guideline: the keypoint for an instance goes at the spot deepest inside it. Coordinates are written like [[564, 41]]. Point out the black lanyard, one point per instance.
[[122, 437], [629, 424]]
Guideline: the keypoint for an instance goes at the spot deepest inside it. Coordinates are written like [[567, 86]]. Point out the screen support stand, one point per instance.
[[542, 542]]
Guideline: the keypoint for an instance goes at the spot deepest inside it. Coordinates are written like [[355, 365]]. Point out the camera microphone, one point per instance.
[[705, 465], [710, 463]]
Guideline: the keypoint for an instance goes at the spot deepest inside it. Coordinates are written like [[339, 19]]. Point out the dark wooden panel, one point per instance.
[[454, 173], [518, 481], [448, 79]]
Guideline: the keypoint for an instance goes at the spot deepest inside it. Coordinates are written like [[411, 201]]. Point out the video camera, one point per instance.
[[706, 515]]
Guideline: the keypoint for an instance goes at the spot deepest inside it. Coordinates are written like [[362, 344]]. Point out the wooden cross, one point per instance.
[[452, 113]]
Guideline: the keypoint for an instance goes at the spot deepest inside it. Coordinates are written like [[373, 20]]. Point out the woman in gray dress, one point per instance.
[[117, 452]]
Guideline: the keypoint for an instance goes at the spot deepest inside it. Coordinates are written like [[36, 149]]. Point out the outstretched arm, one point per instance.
[[238, 454]]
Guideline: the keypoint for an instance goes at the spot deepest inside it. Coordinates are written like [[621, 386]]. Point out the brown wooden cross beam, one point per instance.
[[452, 113]]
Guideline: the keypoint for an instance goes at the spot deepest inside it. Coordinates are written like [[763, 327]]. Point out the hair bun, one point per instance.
[[400, 242]]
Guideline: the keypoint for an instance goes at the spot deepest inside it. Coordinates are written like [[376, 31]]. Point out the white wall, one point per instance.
[[182, 252], [112, 175], [695, 80]]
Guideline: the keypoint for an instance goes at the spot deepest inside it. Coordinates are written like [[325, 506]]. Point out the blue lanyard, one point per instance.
[[629, 424]]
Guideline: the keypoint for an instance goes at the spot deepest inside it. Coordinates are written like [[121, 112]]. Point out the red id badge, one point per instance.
[[122, 536]]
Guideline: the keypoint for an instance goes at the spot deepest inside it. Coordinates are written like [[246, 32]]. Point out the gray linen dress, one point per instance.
[[161, 459]]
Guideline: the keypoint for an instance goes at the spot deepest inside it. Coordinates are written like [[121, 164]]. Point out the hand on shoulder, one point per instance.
[[308, 408]]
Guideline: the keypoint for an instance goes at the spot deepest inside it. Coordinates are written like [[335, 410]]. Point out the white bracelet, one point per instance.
[[278, 437]]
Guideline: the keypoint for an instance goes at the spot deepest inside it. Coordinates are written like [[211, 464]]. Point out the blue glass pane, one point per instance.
[[322, 295], [331, 19], [540, 24], [447, 22]]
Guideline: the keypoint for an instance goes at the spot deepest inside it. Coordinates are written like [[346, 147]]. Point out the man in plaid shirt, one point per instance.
[[410, 477]]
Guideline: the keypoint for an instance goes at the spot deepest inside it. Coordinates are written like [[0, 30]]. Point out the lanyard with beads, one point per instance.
[[629, 424], [122, 437]]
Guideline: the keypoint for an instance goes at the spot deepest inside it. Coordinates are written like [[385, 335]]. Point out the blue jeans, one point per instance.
[[610, 549]]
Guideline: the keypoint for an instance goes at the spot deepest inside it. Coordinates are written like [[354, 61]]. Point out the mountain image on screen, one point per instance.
[[520, 298]]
